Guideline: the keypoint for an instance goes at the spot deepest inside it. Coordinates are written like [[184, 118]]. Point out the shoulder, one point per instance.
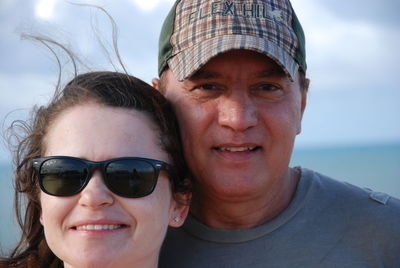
[[361, 205], [357, 221], [348, 192]]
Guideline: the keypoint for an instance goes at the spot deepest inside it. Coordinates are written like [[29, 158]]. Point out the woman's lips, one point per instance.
[[99, 227]]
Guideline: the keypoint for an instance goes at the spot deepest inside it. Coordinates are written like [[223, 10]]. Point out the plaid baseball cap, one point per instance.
[[197, 30]]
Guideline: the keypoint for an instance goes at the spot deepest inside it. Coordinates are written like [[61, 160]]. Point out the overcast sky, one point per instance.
[[352, 54]]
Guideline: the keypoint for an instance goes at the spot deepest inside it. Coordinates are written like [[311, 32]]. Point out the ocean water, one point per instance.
[[374, 167], [9, 227]]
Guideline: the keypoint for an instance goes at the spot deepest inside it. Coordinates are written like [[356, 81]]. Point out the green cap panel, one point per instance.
[[165, 48]]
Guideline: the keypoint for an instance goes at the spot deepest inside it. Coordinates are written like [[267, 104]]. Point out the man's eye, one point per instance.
[[268, 87], [207, 87], [268, 91]]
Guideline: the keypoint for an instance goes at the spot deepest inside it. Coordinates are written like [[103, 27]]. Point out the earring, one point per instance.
[[177, 219]]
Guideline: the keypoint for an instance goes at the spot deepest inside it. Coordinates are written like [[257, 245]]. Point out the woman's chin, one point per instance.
[[95, 258], [89, 263]]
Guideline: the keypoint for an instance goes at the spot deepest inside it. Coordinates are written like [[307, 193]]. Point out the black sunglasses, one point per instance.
[[126, 176]]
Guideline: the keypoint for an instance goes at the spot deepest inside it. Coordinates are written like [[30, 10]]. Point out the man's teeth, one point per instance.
[[237, 149], [98, 227]]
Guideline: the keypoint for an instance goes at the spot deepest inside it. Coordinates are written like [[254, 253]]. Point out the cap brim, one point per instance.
[[186, 63]]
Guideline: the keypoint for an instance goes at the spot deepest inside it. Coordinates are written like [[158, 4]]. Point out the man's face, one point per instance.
[[239, 116]]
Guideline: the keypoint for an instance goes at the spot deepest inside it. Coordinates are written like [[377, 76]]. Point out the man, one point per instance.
[[235, 73]]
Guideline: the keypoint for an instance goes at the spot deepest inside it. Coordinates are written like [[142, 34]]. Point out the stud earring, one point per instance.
[[177, 219]]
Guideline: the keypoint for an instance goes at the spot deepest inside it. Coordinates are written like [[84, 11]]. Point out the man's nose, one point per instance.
[[96, 194], [237, 112]]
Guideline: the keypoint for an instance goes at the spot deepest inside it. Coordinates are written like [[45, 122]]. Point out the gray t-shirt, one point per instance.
[[327, 224]]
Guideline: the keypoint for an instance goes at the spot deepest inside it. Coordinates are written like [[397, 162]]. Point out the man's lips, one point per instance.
[[234, 148], [241, 153]]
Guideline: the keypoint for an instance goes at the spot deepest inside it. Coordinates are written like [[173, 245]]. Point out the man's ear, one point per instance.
[[304, 97], [303, 104], [155, 82]]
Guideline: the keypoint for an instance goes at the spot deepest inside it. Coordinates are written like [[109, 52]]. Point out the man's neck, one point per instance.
[[247, 213]]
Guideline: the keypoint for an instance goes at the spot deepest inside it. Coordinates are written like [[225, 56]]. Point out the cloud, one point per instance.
[[346, 52], [45, 9], [384, 13], [39, 88], [150, 4], [352, 116], [352, 60]]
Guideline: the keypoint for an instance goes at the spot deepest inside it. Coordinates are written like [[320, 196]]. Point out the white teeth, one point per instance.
[[98, 227], [237, 149]]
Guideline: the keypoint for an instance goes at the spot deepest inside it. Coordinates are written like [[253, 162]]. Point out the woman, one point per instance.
[[102, 171]]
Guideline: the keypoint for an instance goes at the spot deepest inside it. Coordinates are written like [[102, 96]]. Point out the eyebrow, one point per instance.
[[205, 74], [202, 74], [273, 72]]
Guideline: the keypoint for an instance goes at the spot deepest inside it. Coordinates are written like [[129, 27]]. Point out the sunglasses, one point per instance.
[[131, 177]]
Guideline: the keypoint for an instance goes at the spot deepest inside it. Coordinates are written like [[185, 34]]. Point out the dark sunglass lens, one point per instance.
[[131, 178], [62, 177]]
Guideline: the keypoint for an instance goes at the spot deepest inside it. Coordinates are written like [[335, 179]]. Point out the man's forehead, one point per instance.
[[211, 69]]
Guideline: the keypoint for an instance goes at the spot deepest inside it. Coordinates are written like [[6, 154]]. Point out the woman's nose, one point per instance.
[[96, 194]]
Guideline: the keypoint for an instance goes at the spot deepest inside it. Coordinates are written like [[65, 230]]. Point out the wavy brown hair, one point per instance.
[[111, 89]]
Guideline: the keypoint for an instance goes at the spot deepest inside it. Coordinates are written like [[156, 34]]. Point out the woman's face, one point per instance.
[[95, 132]]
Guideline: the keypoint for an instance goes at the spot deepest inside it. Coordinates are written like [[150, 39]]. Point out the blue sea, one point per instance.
[[374, 167]]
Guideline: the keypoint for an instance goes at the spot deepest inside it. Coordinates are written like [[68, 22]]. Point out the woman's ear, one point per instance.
[[179, 208], [40, 211]]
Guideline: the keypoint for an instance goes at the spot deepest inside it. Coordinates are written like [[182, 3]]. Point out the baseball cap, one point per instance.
[[197, 30]]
